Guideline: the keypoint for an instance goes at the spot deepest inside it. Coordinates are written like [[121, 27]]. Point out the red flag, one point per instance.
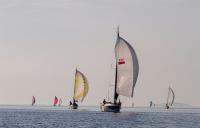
[[121, 61]]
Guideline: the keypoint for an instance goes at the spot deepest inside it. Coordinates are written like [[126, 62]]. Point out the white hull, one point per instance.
[[110, 107]]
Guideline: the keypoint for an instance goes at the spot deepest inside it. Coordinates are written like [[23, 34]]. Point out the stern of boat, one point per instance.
[[73, 106], [110, 107]]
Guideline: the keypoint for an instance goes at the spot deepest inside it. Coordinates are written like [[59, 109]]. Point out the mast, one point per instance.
[[115, 92], [117, 32], [74, 85]]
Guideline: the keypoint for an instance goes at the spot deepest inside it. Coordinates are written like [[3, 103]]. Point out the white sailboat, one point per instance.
[[81, 88], [170, 98], [60, 102], [126, 74]]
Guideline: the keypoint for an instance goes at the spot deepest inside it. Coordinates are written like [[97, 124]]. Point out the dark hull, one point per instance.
[[110, 107], [73, 106]]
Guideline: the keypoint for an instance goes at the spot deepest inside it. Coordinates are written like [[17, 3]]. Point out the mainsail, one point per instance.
[[33, 100], [127, 68], [55, 101], [170, 97], [81, 86]]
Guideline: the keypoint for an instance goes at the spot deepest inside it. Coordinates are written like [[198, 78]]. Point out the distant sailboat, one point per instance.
[[81, 88], [55, 101], [60, 102], [170, 98], [33, 100], [150, 104], [126, 74]]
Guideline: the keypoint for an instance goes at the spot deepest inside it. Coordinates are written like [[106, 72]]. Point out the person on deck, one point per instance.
[[120, 102], [167, 106], [74, 103], [104, 101]]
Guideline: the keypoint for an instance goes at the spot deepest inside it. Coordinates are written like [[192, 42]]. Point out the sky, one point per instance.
[[43, 41]]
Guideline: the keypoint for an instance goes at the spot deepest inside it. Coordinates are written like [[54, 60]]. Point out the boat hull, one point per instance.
[[110, 107], [73, 106]]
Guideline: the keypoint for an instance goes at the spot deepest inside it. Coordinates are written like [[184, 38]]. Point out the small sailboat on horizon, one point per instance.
[[126, 74], [33, 100], [55, 101], [81, 88], [170, 98], [60, 102], [152, 104]]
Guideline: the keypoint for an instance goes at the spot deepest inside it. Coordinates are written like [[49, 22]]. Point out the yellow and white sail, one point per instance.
[[81, 86]]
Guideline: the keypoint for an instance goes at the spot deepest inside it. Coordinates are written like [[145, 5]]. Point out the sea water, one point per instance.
[[91, 117]]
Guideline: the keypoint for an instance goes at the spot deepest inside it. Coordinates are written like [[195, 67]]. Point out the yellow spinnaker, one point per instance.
[[81, 86]]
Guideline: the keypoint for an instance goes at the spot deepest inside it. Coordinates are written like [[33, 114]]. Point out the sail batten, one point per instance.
[[127, 67]]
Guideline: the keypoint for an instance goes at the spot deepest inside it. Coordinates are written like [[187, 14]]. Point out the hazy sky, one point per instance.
[[42, 42]]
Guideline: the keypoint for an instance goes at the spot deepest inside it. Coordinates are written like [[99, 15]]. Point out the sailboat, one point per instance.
[[170, 98], [81, 88], [55, 101], [60, 102], [33, 100], [150, 104], [126, 74]]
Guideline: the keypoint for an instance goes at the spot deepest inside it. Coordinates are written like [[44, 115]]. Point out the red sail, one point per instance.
[[33, 100], [55, 101]]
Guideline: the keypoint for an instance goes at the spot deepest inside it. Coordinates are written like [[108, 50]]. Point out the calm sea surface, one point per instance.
[[91, 117]]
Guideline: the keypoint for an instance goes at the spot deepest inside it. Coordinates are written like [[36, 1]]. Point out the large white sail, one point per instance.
[[127, 67], [81, 86], [170, 97]]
